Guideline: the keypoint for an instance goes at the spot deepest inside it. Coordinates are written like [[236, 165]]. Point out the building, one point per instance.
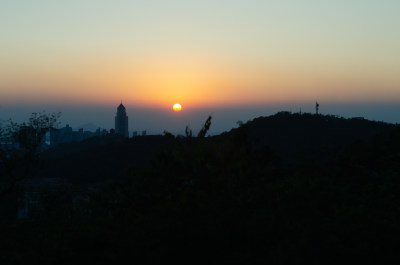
[[121, 121], [67, 135]]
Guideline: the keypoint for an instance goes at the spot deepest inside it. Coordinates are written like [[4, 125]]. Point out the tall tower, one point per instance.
[[121, 121]]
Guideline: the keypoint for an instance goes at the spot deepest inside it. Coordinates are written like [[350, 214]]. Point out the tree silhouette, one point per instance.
[[21, 143]]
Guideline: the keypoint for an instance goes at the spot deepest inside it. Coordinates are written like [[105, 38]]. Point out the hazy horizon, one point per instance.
[[156, 120]]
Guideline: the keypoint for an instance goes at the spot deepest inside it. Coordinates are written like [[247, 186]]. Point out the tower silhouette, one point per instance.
[[121, 121]]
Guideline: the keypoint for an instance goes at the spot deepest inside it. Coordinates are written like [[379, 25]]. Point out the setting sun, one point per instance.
[[177, 107]]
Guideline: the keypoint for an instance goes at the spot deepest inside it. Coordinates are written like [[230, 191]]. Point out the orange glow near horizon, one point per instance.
[[199, 81]]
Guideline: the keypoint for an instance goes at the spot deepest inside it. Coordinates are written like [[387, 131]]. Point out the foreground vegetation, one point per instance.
[[225, 200]]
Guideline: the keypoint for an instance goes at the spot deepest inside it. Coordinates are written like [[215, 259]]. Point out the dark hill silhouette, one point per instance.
[[308, 135], [289, 135]]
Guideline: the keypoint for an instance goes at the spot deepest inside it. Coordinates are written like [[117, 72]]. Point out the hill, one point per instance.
[[306, 135], [290, 136]]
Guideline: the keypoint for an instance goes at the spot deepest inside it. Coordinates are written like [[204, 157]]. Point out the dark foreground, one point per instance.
[[225, 199]]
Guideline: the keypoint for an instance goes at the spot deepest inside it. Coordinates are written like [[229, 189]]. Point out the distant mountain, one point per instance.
[[87, 127], [319, 136]]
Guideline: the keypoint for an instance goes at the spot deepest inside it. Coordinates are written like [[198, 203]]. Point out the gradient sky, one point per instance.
[[204, 54]]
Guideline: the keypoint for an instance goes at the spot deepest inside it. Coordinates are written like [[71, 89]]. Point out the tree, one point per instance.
[[20, 144]]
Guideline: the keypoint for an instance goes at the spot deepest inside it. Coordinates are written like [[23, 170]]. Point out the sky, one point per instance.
[[235, 60]]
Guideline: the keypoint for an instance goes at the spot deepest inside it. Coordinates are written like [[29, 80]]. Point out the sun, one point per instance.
[[177, 107]]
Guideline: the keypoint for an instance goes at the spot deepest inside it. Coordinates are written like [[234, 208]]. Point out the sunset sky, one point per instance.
[[206, 55]]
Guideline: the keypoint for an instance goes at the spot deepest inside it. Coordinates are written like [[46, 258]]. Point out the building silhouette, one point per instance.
[[67, 135], [121, 121]]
